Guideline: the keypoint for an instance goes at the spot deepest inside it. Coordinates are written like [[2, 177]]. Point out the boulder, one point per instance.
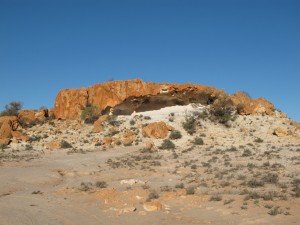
[[19, 136], [33, 116], [13, 120], [280, 132], [107, 141], [152, 206], [98, 124], [157, 130], [8, 124], [55, 144], [128, 137]]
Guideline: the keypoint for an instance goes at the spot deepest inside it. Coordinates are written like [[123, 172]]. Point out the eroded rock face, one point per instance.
[[70, 102], [156, 130], [98, 124], [252, 106], [126, 97]]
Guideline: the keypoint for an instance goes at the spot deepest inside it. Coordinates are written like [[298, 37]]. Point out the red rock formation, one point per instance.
[[8, 127], [137, 95]]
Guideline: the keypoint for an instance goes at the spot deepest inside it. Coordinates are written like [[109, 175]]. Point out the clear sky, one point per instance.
[[248, 45]]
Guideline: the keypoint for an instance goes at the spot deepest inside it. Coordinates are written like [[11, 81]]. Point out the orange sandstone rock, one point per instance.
[[156, 130]]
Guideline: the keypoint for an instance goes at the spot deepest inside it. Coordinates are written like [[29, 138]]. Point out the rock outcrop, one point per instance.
[[33, 116], [252, 106], [125, 97], [156, 130], [8, 129]]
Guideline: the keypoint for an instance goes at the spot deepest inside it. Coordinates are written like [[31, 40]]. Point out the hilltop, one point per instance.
[[122, 152]]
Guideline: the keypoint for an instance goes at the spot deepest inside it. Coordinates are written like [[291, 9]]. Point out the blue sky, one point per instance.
[[248, 45]]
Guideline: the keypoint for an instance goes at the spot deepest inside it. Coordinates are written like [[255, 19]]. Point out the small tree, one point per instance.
[[89, 114], [12, 109]]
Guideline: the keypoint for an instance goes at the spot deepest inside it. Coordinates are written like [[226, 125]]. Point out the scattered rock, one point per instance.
[[107, 141], [128, 137], [53, 144], [152, 206], [280, 132], [127, 210], [157, 130], [131, 182]]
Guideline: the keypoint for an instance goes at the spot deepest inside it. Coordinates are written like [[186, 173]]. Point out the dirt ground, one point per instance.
[[56, 187]]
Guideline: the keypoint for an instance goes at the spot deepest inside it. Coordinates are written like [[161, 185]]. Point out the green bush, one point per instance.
[[189, 125], [12, 109], [101, 184], [89, 114], [167, 144], [175, 134], [222, 110], [181, 186], [65, 144], [198, 141], [190, 190]]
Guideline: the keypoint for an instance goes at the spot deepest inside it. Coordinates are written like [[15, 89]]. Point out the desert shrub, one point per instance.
[[296, 189], [132, 122], [181, 185], [271, 178], [34, 138], [198, 141], [189, 125], [3, 146], [101, 184], [258, 140], [152, 195], [113, 120], [175, 134], [86, 186], [12, 109], [275, 211], [147, 117], [246, 153], [253, 183], [167, 144], [190, 190], [240, 107], [216, 198], [222, 110], [65, 144], [89, 114]]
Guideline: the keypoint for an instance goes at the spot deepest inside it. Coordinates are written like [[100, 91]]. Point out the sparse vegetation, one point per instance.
[[12, 109], [101, 184], [189, 125], [222, 110], [89, 114], [190, 190], [167, 144], [175, 134], [65, 144], [198, 141]]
